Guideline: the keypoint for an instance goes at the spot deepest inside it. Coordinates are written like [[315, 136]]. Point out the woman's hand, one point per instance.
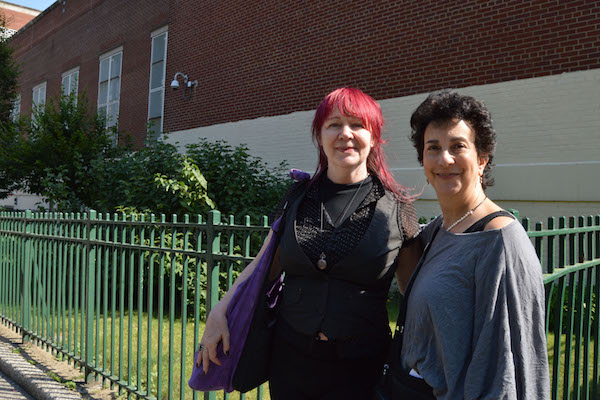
[[215, 331]]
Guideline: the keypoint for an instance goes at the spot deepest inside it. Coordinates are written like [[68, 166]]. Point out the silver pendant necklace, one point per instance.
[[322, 262], [464, 216]]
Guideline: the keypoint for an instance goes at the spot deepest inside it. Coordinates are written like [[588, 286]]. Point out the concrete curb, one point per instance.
[[30, 377]]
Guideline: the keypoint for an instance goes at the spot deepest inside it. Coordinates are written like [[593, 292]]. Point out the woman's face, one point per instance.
[[450, 159], [346, 142]]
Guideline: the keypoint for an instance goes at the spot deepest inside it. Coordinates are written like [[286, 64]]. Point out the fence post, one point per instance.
[[213, 247], [26, 281], [90, 293]]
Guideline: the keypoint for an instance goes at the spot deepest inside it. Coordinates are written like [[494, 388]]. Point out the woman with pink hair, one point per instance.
[[347, 231]]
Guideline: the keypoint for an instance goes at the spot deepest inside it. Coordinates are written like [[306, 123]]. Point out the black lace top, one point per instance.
[[338, 242]]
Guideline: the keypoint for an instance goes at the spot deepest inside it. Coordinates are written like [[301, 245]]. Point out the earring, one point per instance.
[[427, 180], [481, 179]]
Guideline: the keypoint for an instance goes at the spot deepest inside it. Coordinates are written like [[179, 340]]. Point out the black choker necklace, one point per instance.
[[322, 263]]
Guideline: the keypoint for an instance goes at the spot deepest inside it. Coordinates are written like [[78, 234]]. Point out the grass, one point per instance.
[[112, 363], [125, 366], [582, 367]]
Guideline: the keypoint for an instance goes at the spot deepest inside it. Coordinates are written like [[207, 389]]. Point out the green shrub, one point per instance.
[[239, 183]]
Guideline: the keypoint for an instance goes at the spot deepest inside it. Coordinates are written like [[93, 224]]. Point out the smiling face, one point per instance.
[[346, 142], [451, 162]]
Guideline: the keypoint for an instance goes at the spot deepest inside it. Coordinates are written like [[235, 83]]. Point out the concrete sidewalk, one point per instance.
[[30, 377], [9, 390]]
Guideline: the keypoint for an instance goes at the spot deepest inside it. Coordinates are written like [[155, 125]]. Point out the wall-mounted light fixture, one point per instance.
[[188, 85]]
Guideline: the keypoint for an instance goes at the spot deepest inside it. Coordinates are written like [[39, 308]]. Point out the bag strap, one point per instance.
[[481, 224], [404, 303]]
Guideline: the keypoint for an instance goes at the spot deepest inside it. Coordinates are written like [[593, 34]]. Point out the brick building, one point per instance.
[[263, 66], [16, 16]]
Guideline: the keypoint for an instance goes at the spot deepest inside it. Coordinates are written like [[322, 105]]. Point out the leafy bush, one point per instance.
[[67, 155], [239, 183], [9, 72], [52, 154]]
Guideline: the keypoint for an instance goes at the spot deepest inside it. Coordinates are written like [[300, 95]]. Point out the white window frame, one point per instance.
[[162, 31], [69, 76], [109, 55], [15, 112], [41, 100]]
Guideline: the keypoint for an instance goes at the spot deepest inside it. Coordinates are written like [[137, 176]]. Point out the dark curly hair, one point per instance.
[[446, 105]]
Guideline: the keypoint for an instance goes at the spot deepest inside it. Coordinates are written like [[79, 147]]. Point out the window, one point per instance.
[[157, 81], [39, 96], [70, 82], [16, 109], [109, 85]]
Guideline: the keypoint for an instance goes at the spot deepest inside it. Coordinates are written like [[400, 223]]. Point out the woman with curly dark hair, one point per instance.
[[474, 324]]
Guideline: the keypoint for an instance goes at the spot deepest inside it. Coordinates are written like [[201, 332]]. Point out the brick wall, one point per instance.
[[264, 58], [75, 34], [15, 16]]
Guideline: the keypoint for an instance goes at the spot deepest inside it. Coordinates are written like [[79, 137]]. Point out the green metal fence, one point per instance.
[[121, 296], [111, 293]]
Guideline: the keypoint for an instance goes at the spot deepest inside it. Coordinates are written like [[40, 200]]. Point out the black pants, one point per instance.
[[318, 374]]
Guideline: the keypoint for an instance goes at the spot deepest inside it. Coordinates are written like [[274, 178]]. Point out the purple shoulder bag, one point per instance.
[[240, 313], [250, 322]]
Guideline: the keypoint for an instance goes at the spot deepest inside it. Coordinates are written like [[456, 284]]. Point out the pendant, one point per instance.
[[322, 264]]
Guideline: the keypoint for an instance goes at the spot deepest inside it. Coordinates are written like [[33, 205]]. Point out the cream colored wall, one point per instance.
[[23, 201], [547, 158]]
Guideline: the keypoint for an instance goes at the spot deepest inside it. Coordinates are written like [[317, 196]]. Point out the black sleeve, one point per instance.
[[407, 220]]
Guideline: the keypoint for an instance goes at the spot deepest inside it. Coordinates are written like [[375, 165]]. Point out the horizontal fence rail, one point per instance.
[[125, 297]]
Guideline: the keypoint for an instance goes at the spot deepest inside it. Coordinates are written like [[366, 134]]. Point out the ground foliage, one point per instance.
[[67, 155]]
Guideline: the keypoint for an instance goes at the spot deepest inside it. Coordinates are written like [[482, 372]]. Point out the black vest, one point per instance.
[[348, 301]]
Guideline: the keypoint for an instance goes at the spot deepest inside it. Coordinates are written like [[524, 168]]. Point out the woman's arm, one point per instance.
[[412, 248], [216, 329], [509, 354], [409, 256]]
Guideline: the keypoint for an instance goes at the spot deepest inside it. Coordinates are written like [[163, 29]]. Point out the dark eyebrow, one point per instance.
[[432, 141]]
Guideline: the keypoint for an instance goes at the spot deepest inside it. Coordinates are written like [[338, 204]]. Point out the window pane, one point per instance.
[[154, 130], [74, 82], [103, 93], [113, 114], [102, 111], [155, 106], [104, 64], [16, 109], [157, 75], [158, 48], [114, 89], [42, 95], [115, 65], [65, 84]]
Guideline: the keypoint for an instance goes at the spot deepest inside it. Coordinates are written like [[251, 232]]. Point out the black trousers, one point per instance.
[[318, 374]]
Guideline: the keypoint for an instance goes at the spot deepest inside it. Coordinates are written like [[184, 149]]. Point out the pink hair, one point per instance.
[[354, 102]]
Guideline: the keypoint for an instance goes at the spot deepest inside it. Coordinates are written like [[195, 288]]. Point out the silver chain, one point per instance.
[[464, 216]]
